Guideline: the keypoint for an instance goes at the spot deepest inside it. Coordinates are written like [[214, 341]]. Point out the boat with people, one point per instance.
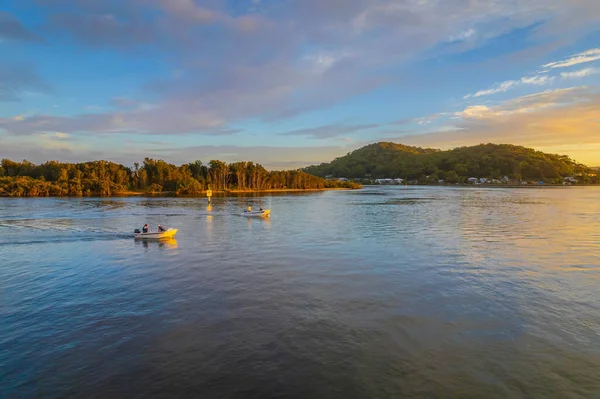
[[261, 213], [146, 233]]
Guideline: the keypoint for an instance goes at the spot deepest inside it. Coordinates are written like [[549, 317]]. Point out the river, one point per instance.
[[384, 292]]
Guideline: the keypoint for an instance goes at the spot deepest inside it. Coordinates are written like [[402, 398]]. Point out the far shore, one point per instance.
[[545, 185], [199, 194], [221, 193]]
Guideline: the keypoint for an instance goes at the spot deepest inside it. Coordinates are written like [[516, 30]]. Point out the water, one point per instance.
[[380, 293]]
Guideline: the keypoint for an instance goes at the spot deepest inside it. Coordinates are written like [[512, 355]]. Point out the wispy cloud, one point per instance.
[[543, 78], [329, 131], [498, 88], [524, 104], [13, 29], [426, 120], [580, 74], [19, 81], [464, 35], [576, 59], [503, 87]]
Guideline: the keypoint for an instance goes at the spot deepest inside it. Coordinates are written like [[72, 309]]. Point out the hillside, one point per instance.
[[390, 160]]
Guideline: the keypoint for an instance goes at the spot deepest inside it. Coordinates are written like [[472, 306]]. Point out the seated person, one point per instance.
[[160, 228], [146, 228]]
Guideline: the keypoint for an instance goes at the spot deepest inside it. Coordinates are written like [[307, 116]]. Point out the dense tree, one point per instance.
[[102, 178], [382, 160]]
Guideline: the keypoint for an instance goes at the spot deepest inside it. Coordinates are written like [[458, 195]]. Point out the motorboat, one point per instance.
[[155, 234], [264, 213]]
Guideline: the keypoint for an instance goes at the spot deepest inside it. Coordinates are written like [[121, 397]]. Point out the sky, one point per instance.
[[289, 83]]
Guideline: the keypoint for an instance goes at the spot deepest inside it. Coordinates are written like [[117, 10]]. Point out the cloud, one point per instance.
[[543, 79], [13, 29], [525, 104], [579, 74], [554, 120], [426, 120], [103, 30], [576, 59], [329, 131], [503, 87], [537, 80], [18, 80], [41, 148], [499, 88], [290, 57], [282, 60], [122, 102], [463, 35], [167, 119]]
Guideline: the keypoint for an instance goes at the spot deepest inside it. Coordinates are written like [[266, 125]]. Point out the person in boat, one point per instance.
[[261, 209], [249, 208], [161, 229], [146, 228]]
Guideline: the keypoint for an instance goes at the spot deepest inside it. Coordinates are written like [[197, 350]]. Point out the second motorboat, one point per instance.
[[261, 213]]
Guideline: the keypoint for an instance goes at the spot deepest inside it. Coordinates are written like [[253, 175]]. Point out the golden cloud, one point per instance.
[[560, 121]]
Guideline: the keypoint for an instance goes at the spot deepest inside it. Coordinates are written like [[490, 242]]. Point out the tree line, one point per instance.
[[494, 161], [103, 178]]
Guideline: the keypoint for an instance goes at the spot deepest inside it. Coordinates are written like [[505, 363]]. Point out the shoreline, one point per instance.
[[224, 193], [486, 185], [202, 194]]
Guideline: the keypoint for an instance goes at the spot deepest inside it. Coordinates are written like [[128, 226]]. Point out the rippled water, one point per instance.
[[378, 293]]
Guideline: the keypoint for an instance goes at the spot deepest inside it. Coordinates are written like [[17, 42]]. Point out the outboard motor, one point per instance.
[[137, 231]]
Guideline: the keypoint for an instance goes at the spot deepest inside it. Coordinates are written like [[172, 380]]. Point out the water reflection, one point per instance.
[[166, 243], [385, 292]]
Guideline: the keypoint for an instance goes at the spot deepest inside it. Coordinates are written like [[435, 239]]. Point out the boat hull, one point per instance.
[[156, 235], [257, 214]]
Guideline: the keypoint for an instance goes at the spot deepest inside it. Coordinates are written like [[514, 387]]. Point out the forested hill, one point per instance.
[[102, 178], [390, 160]]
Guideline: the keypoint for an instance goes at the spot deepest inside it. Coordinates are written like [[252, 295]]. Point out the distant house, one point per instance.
[[473, 180], [483, 180], [570, 179], [384, 181], [441, 181], [398, 180]]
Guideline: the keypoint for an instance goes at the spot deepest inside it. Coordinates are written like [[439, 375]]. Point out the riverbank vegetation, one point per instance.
[[426, 166], [103, 178]]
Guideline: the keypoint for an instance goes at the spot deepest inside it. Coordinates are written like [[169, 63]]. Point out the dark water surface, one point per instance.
[[380, 293]]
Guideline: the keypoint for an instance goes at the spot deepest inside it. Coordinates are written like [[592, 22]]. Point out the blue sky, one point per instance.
[[289, 83]]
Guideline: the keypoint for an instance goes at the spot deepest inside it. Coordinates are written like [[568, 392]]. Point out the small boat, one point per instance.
[[257, 214], [158, 234]]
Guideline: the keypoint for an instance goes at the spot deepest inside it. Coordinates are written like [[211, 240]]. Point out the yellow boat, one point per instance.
[[154, 235]]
